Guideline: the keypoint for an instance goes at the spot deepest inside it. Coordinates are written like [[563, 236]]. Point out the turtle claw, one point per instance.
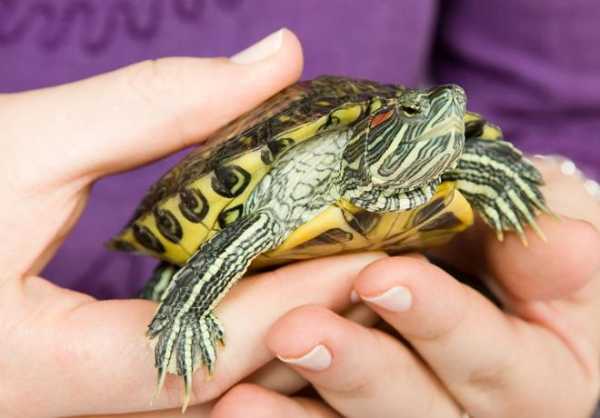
[[523, 238], [500, 235], [184, 343], [512, 214], [502, 186], [538, 231]]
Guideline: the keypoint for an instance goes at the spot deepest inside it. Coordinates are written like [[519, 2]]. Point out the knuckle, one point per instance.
[[442, 328], [358, 384], [366, 378], [491, 378], [495, 378], [155, 80]]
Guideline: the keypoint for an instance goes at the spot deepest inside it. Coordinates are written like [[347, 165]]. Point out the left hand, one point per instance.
[[538, 356]]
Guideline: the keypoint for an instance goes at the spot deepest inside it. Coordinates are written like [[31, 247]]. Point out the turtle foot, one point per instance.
[[512, 217], [516, 202], [183, 344], [513, 208], [501, 185]]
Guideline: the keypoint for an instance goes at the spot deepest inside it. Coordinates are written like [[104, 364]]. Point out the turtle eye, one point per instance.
[[411, 110]]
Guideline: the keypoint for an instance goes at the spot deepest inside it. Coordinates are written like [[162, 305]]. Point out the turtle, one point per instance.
[[325, 166]]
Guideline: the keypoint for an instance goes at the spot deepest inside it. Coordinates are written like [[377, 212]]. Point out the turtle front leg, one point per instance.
[[185, 327], [500, 184]]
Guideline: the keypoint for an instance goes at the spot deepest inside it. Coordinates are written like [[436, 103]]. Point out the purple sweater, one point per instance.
[[532, 67]]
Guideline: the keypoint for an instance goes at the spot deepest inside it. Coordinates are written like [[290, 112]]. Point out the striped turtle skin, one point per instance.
[[326, 166]]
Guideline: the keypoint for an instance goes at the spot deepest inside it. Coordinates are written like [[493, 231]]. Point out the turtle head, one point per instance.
[[402, 148]]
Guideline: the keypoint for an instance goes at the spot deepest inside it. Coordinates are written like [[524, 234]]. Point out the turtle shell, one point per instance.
[[207, 189]]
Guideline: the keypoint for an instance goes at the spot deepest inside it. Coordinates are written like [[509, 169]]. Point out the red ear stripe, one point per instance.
[[379, 118]]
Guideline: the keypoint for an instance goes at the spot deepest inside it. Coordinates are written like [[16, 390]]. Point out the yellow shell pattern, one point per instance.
[[196, 199]]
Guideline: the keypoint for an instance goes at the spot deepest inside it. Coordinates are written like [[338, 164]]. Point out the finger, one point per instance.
[[562, 180], [542, 270], [139, 113], [253, 401], [278, 377], [547, 270], [359, 371], [100, 352], [196, 411], [273, 377], [482, 356], [247, 401]]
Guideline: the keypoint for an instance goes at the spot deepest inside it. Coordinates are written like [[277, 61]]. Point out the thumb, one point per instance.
[[139, 113]]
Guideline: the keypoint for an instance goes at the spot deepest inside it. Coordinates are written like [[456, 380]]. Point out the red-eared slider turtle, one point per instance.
[[326, 166]]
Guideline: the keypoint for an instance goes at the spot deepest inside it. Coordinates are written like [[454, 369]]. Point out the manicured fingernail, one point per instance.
[[319, 358], [396, 299], [261, 50], [541, 157], [354, 298], [592, 187]]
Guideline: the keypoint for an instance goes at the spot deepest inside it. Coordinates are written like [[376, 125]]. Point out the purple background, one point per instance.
[[533, 67]]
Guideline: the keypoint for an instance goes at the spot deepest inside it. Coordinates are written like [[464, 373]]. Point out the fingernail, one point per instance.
[[592, 187], [354, 298], [568, 168], [319, 358], [541, 157], [396, 299], [261, 50]]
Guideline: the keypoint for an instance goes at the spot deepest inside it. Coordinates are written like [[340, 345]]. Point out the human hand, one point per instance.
[[64, 353], [537, 357]]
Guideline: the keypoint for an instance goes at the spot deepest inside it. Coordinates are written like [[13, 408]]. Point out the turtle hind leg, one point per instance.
[[159, 281], [185, 329], [501, 185]]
